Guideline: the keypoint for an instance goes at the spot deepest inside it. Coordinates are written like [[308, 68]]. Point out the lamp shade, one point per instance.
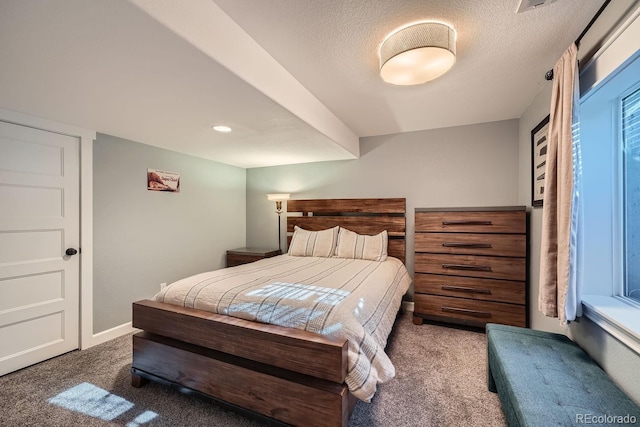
[[278, 197], [417, 53]]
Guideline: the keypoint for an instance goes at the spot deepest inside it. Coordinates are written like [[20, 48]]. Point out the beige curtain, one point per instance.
[[556, 211]]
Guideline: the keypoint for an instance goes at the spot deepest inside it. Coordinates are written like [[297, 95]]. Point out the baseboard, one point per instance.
[[109, 334], [407, 306]]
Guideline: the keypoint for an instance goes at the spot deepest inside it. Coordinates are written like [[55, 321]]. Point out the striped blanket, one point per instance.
[[342, 298]]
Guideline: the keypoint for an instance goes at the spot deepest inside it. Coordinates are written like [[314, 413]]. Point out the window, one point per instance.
[[610, 251], [631, 184], [610, 146]]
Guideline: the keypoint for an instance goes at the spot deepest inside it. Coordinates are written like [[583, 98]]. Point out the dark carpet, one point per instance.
[[440, 381]]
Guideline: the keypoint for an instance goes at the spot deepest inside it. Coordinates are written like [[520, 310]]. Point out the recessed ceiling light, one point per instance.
[[221, 128]]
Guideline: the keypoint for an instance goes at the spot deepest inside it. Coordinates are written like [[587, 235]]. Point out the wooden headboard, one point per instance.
[[364, 216]]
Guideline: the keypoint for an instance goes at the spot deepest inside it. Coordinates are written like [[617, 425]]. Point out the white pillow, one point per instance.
[[362, 246], [313, 243]]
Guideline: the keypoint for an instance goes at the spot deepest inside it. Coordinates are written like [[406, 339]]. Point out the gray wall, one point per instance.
[[471, 165], [143, 238]]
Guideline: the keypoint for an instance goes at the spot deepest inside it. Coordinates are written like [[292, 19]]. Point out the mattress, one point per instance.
[[351, 299]]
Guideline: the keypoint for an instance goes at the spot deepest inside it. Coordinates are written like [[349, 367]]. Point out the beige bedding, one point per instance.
[[343, 298]]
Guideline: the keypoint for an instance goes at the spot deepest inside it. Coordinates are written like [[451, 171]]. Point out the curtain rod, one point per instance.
[[549, 74]]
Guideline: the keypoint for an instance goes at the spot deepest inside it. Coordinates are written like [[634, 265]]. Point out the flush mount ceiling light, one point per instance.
[[221, 128], [417, 53]]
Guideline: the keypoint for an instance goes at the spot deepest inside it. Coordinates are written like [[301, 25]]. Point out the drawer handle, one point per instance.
[[465, 289], [465, 245], [473, 313], [467, 267], [466, 222]]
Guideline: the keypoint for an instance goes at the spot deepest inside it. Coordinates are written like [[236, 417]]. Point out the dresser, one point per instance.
[[246, 255], [471, 266]]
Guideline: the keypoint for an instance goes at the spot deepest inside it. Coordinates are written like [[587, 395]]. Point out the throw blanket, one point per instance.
[[342, 298]]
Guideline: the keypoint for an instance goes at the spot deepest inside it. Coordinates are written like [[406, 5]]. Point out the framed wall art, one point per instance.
[[539, 140], [159, 180]]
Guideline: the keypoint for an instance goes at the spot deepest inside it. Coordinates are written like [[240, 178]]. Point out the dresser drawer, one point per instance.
[[472, 266], [471, 287], [470, 311], [472, 221], [514, 245]]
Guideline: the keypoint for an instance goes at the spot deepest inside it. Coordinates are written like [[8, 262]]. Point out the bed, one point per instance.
[[300, 369]]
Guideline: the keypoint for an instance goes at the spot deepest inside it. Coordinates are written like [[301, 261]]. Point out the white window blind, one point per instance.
[[631, 155]]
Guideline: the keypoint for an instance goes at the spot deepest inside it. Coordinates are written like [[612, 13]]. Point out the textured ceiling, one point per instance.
[[297, 80], [331, 46]]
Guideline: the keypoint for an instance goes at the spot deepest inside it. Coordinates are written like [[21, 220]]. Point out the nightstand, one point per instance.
[[247, 255]]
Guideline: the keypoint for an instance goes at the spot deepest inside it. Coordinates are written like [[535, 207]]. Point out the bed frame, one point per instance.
[[288, 376]]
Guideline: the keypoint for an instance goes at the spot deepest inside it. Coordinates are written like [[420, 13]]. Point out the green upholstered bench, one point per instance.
[[545, 379]]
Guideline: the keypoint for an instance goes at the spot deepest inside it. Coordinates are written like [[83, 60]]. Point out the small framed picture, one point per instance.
[[160, 180], [539, 140]]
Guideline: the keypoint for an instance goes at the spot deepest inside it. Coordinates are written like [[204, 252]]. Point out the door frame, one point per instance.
[[86, 138]]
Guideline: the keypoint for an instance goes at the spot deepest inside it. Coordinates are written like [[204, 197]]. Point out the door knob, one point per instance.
[[71, 251]]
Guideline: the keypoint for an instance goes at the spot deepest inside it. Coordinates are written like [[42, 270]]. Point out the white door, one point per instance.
[[39, 222]]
